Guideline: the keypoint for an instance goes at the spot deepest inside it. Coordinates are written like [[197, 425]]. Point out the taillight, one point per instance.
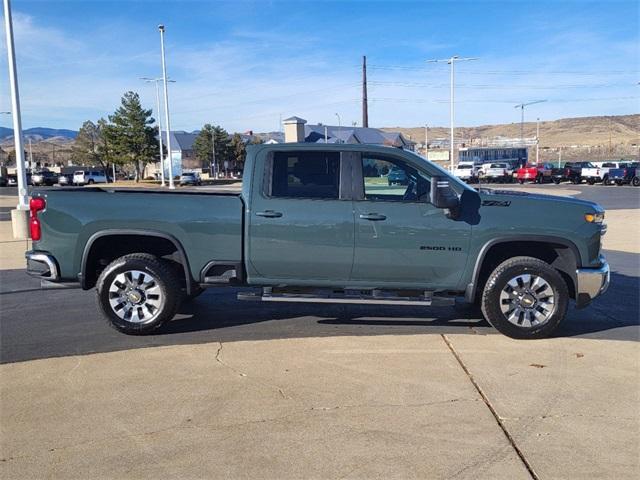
[[36, 204], [625, 172]]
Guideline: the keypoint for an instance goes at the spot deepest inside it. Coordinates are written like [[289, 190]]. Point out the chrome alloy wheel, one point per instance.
[[527, 300], [135, 296]]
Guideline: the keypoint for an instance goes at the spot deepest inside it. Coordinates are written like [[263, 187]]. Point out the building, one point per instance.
[[296, 129]]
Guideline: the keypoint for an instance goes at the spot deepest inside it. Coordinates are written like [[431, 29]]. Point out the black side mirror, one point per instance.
[[443, 196]]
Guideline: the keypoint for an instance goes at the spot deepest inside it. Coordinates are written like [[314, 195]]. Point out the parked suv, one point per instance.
[[88, 177], [190, 178]]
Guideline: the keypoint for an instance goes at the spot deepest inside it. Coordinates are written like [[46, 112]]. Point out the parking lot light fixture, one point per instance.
[[157, 82], [166, 106]]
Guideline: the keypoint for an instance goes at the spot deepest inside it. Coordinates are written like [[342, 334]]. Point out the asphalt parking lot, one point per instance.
[[232, 389]]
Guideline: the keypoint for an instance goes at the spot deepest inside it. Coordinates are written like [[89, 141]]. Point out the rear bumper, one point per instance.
[[42, 265], [591, 283]]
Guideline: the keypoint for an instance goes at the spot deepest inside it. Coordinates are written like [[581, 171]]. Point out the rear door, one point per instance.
[[401, 239], [301, 218]]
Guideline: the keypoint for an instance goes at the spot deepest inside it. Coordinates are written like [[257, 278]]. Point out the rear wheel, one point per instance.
[[635, 182], [137, 293], [556, 181], [525, 298]]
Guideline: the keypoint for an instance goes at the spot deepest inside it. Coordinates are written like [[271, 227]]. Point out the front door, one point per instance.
[[401, 239], [301, 230]]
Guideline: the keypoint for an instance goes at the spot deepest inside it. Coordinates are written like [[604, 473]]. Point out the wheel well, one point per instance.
[[559, 256], [105, 249]]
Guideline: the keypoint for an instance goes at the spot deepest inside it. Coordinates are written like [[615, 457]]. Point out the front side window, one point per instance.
[[393, 180], [306, 175]]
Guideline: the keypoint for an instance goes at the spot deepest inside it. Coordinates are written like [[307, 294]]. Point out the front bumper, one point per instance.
[[42, 265], [591, 282]]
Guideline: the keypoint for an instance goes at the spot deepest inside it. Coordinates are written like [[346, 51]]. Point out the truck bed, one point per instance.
[[207, 223]]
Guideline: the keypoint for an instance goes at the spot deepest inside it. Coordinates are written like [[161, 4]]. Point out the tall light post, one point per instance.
[[451, 61], [426, 142], [23, 204], [157, 82], [339, 127], [521, 107], [537, 140], [166, 106]]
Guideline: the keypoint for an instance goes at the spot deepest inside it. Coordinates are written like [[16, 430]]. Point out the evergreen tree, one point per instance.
[[85, 148], [203, 146], [238, 151], [130, 136]]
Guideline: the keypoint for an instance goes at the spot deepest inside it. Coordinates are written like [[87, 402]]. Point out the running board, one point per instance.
[[358, 297]]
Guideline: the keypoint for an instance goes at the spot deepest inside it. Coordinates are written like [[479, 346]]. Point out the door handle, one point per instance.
[[269, 214], [374, 217]]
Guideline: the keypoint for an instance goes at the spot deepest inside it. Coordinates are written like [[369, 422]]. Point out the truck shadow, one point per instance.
[[219, 310]]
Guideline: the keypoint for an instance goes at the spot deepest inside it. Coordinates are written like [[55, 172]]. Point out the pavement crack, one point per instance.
[[491, 408], [218, 358]]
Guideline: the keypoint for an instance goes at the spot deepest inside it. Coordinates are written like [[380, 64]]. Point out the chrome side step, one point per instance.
[[357, 297]]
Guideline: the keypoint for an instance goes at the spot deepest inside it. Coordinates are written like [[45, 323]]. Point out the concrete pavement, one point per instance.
[[381, 395]]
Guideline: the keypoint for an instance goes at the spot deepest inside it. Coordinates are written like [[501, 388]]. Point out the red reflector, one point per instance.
[[36, 205], [34, 228]]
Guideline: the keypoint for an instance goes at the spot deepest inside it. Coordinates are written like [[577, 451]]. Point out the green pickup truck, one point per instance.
[[324, 224]]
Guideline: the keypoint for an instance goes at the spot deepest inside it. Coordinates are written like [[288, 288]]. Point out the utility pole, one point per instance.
[[166, 106], [451, 61], [339, 128], [19, 215], [521, 107], [559, 156], [213, 151], [157, 82], [365, 106], [537, 140], [426, 142], [326, 135], [30, 155]]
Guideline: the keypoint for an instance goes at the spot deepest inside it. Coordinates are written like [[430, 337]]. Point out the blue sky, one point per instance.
[[244, 64]]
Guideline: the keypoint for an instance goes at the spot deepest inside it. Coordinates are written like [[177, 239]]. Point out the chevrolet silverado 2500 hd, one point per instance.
[[321, 223]]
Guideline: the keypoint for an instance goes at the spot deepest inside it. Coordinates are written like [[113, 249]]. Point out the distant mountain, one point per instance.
[[39, 133]]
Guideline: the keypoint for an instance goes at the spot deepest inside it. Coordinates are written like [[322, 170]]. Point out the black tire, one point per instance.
[[506, 271], [619, 183], [606, 181], [90, 182], [576, 180], [635, 182], [521, 182], [163, 276], [591, 181], [557, 181]]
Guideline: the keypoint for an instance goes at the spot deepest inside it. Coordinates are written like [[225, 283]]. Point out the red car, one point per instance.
[[539, 173]]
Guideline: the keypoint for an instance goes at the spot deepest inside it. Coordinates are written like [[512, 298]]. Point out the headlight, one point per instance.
[[594, 217]]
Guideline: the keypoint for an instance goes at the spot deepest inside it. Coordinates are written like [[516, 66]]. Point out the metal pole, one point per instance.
[[451, 111], [365, 106], [160, 134], [326, 135], [522, 124], [23, 203], [30, 155], [537, 140], [213, 148], [426, 142], [166, 106], [339, 127]]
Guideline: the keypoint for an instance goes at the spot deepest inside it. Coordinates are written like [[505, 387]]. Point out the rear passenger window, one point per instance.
[[306, 175]]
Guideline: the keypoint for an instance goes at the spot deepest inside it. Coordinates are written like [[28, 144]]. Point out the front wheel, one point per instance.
[[556, 181], [521, 182], [591, 181], [137, 293], [525, 298], [606, 180]]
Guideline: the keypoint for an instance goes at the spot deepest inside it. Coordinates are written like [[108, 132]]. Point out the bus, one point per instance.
[[515, 157]]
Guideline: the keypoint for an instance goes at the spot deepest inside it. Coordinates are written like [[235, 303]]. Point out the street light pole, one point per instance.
[[156, 81], [23, 204], [339, 127], [521, 107], [537, 140], [426, 142], [451, 61], [166, 106]]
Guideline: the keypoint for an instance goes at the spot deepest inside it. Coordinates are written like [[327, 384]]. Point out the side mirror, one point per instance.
[[443, 196]]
